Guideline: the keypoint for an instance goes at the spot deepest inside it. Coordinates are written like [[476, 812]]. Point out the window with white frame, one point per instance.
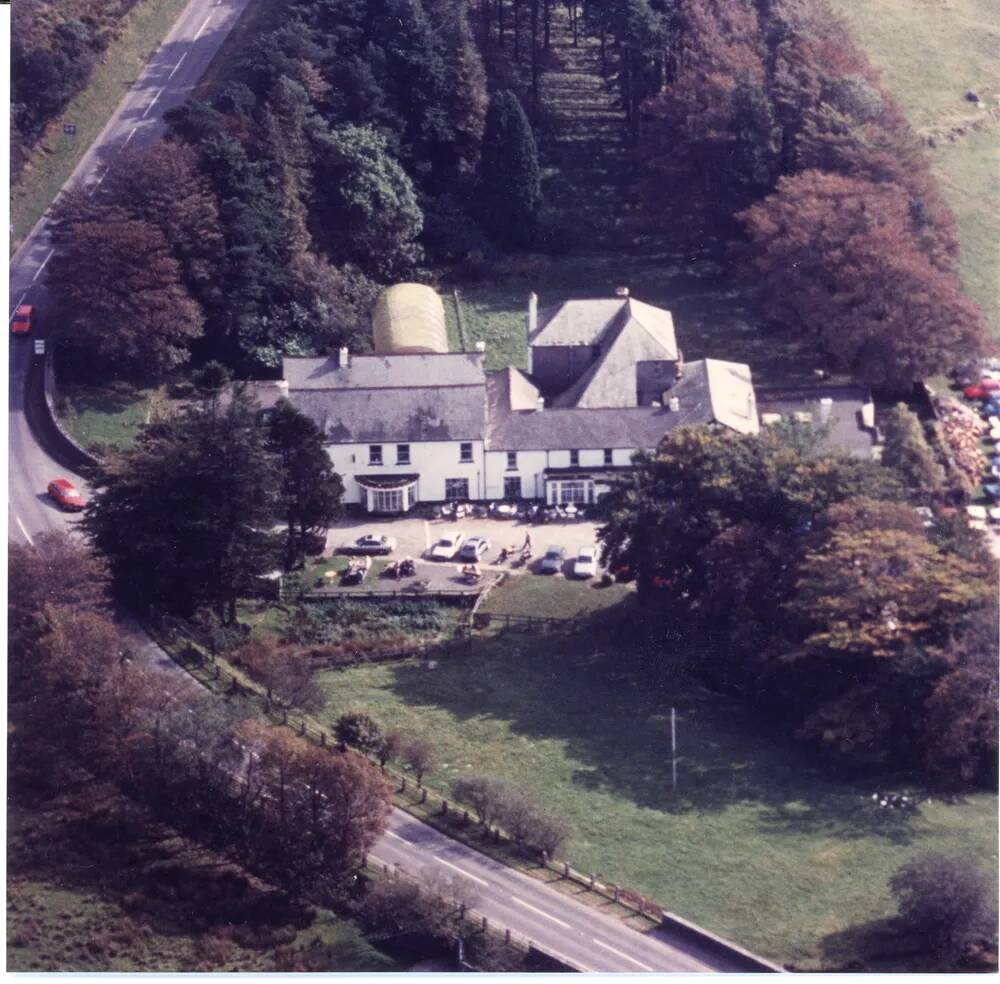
[[465, 452], [512, 487], [387, 500], [609, 456], [574, 459], [402, 454], [456, 489], [511, 461], [374, 454], [575, 492]]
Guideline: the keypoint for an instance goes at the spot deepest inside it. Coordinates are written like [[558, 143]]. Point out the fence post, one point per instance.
[[465, 817], [444, 807], [217, 672], [486, 924], [302, 727], [506, 936], [616, 892], [402, 788], [364, 860], [642, 906], [565, 869], [593, 878], [322, 738], [423, 796]]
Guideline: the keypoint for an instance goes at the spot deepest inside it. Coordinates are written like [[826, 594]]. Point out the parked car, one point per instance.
[[23, 321], [586, 564], [552, 562], [371, 544], [974, 392], [926, 514], [989, 384], [473, 549], [992, 490], [991, 408], [66, 495], [447, 546]]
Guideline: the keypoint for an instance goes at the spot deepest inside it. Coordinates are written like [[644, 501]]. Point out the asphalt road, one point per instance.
[[164, 84], [555, 922], [576, 933]]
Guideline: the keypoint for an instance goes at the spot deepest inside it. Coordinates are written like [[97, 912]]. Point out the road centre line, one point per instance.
[[97, 183], [460, 871], [203, 26], [16, 306], [177, 66], [625, 956], [131, 135], [27, 535], [392, 833], [151, 102], [541, 912], [42, 267]]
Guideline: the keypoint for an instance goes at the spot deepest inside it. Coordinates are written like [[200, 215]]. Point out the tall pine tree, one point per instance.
[[510, 190]]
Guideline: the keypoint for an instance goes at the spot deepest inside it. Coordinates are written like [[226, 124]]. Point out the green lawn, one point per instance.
[[110, 414], [553, 597], [931, 54], [57, 155], [761, 841]]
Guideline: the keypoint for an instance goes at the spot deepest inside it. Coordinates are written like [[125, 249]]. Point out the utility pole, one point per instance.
[[673, 746]]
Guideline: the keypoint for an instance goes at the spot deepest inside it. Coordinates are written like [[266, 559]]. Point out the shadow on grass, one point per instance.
[[879, 946], [609, 708], [115, 397]]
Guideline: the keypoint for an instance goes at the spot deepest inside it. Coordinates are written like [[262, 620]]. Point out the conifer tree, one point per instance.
[[510, 178]]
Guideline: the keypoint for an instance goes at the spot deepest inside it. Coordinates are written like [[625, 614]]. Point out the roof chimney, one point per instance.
[[344, 357], [621, 292], [532, 314], [540, 404]]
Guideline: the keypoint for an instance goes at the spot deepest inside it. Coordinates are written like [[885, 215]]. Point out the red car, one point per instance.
[[66, 495], [975, 392], [24, 320], [990, 385]]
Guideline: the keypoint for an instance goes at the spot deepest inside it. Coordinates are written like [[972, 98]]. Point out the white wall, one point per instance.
[[432, 461], [530, 465]]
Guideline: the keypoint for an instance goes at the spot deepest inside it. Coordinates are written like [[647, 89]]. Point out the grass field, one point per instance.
[[761, 842], [57, 155], [931, 53], [554, 597], [110, 414]]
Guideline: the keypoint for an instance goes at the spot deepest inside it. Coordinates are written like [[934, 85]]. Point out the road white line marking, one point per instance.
[[97, 183], [16, 306], [625, 956], [42, 267], [177, 66], [397, 837], [131, 135], [203, 26], [460, 871], [427, 535], [540, 912], [151, 103], [27, 535], [569, 960]]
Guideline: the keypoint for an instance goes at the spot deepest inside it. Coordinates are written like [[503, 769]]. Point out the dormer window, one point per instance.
[[574, 459]]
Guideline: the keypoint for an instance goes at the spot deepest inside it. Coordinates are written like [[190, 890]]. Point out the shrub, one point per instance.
[[945, 901], [360, 731]]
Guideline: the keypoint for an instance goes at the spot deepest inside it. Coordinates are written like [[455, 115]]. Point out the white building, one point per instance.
[[416, 423]]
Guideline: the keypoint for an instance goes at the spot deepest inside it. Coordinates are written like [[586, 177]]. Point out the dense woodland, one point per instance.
[[360, 143]]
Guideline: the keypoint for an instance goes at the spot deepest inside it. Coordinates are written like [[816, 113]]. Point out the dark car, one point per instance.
[[552, 562], [66, 495]]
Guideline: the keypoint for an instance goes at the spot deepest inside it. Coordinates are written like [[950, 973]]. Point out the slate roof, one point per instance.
[[380, 399], [382, 371], [561, 428], [588, 323], [842, 418]]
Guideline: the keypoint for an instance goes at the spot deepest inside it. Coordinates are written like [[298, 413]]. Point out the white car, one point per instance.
[[586, 564], [370, 543], [447, 546]]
